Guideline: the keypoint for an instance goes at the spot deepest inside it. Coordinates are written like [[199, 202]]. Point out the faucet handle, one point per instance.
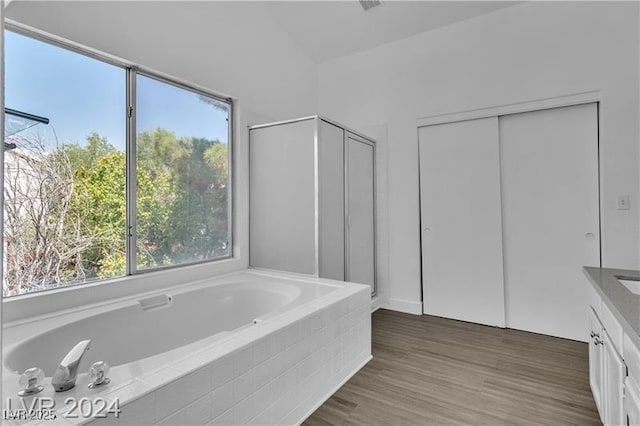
[[98, 374], [30, 381]]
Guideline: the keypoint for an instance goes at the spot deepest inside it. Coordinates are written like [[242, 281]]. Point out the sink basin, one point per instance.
[[632, 284]]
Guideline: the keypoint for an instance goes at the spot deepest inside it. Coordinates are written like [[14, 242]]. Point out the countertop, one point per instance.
[[624, 305]]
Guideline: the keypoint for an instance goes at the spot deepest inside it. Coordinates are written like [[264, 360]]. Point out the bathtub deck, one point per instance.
[[430, 370]]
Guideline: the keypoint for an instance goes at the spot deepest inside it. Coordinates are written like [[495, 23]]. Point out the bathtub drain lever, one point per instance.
[[154, 302]]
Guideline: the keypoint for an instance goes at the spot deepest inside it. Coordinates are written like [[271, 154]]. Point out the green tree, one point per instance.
[[69, 205], [84, 157], [102, 191], [190, 176]]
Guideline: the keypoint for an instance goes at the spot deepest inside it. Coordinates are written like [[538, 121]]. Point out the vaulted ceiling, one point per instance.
[[322, 29], [330, 29]]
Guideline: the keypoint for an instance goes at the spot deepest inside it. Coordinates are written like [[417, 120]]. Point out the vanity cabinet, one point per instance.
[[607, 368], [615, 372], [632, 402], [312, 200], [596, 364]]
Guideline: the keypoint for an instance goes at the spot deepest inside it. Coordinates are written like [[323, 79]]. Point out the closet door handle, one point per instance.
[[590, 236]]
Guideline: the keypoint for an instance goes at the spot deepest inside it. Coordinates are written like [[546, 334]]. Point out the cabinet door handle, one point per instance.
[[594, 334], [597, 341]]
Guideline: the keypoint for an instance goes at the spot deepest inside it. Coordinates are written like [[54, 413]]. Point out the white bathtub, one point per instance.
[[228, 350]]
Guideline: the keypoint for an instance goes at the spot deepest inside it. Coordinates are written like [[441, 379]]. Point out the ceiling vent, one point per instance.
[[369, 4]]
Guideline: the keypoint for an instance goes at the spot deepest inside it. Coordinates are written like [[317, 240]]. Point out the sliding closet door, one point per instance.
[[550, 217], [360, 211], [462, 275]]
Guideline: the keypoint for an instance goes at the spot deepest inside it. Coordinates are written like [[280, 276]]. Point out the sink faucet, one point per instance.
[[65, 375]]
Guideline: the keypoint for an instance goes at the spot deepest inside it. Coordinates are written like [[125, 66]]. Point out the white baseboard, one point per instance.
[[375, 304], [406, 306]]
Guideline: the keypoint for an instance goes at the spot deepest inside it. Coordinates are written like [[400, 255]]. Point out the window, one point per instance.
[[182, 175], [64, 188], [94, 189]]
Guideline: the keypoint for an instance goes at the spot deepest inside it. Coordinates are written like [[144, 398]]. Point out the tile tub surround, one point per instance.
[[276, 371], [624, 305]]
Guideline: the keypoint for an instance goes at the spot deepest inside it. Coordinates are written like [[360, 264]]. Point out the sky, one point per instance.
[[81, 95]]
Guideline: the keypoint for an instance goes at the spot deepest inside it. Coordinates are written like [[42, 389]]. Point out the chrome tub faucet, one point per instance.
[[65, 375]]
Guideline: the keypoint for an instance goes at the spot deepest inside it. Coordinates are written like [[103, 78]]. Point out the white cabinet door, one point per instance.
[[550, 217], [614, 373], [462, 275], [596, 371], [361, 257]]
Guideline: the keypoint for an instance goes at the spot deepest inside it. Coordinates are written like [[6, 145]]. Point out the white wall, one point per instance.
[[222, 46], [526, 52]]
